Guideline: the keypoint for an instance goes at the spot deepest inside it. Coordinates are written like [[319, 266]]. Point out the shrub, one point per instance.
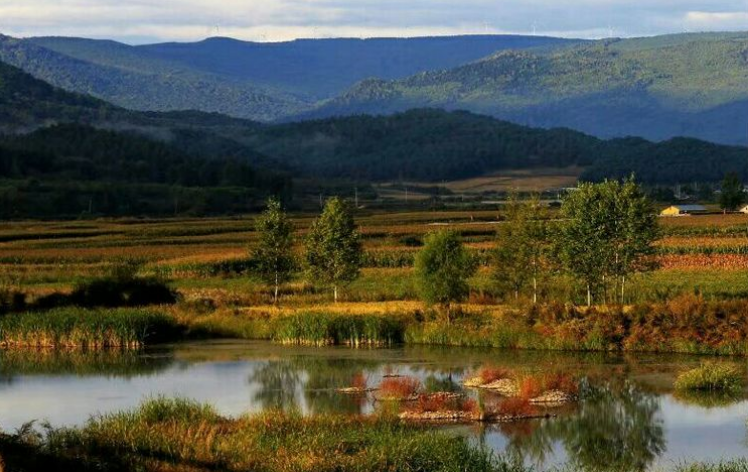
[[399, 388], [492, 374], [711, 376], [515, 407]]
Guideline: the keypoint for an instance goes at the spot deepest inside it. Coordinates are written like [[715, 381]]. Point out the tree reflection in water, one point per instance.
[[616, 427], [310, 384]]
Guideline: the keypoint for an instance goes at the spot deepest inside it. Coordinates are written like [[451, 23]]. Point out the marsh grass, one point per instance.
[[711, 377], [179, 435], [320, 329], [87, 329]]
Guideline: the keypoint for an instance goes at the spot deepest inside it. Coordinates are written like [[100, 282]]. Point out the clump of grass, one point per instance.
[[86, 329], [515, 407], [174, 434], [711, 376], [399, 388], [320, 329], [488, 375], [532, 386], [443, 402]]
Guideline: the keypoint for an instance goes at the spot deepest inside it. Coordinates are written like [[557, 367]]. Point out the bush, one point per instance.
[[398, 388], [711, 376]]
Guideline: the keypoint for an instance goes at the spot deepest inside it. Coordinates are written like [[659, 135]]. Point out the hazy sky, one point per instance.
[[139, 21]]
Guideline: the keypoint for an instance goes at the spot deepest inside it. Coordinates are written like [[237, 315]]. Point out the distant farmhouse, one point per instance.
[[744, 209], [683, 210]]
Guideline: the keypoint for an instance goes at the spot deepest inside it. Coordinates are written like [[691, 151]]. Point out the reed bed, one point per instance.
[[321, 329], [76, 328]]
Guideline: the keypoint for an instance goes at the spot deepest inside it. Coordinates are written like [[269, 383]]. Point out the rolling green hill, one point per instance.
[[130, 78], [692, 85]]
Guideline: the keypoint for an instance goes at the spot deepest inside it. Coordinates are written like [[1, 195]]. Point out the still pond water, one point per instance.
[[631, 419]]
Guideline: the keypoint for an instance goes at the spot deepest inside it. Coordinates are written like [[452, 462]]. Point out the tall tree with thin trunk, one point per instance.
[[333, 247], [273, 255], [521, 256], [443, 268], [608, 233]]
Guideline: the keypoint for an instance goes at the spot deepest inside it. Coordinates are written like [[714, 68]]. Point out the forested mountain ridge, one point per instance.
[[689, 85], [124, 76], [435, 145], [259, 81], [323, 68]]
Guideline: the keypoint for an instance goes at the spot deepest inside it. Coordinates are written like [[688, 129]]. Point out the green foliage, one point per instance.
[[732, 195], [273, 257], [711, 376], [608, 233], [522, 256], [435, 145], [443, 268], [333, 247]]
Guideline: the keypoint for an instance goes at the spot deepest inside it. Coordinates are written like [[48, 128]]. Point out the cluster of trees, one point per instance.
[[72, 169], [606, 233], [333, 247]]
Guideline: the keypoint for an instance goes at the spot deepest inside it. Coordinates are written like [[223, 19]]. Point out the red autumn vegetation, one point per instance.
[[515, 407], [443, 402], [359, 381], [534, 386], [399, 387], [492, 374]]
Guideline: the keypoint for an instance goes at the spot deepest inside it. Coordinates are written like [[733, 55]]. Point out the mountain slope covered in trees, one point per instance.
[[249, 80], [683, 85], [129, 78], [435, 145], [322, 68]]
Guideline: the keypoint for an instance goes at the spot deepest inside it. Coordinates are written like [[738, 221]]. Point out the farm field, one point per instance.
[[705, 253]]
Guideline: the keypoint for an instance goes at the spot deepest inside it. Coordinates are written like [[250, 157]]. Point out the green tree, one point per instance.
[[273, 253], [732, 195], [443, 268], [521, 255], [333, 247], [608, 233]]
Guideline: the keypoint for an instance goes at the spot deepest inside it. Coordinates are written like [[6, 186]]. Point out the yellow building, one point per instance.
[[683, 210]]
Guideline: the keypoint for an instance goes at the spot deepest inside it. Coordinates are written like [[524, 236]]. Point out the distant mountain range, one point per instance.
[[428, 145], [693, 85], [657, 88]]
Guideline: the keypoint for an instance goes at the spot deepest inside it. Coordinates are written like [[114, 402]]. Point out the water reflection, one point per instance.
[[630, 418]]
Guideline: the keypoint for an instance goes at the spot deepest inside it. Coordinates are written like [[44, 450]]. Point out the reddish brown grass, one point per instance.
[[559, 381], [515, 407], [492, 374], [441, 402], [399, 387], [530, 387]]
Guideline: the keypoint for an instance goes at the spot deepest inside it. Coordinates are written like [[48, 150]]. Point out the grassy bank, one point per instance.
[[182, 436], [178, 435], [86, 329], [684, 325]]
